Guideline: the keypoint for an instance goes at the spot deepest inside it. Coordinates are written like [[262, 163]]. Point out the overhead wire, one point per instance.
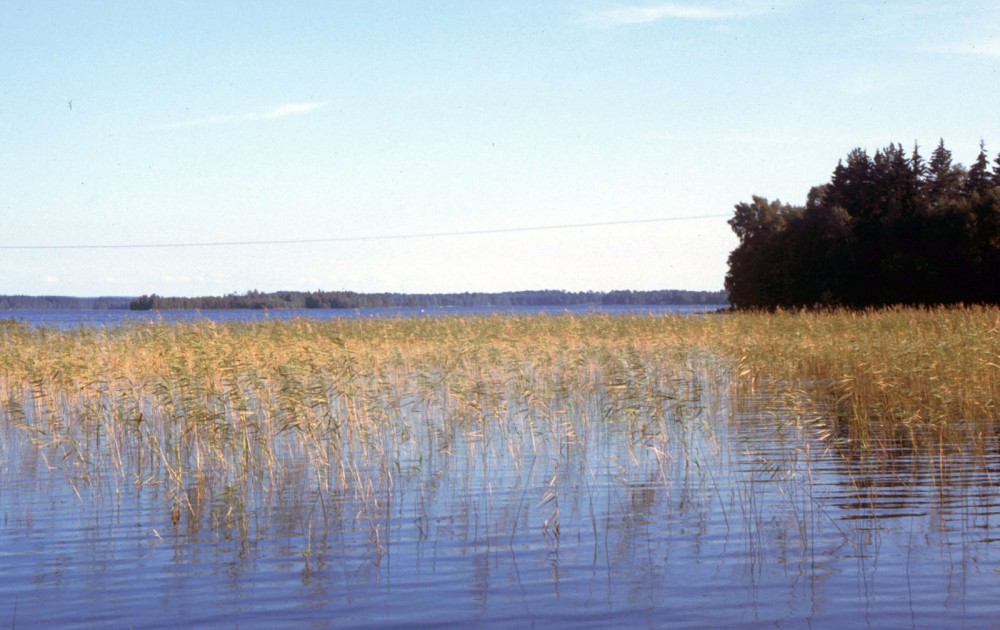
[[345, 239]]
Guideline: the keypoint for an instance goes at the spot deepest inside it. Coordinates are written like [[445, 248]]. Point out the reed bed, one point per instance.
[[236, 416], [238, 411], [874, 376]]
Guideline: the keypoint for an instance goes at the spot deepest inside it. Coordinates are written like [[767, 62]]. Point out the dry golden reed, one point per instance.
[[261, 407]]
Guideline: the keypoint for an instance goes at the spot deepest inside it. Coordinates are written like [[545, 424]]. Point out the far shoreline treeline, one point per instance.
[[63, 303], [354, 300]]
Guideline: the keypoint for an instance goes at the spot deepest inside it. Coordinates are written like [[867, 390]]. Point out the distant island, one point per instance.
[[353, 300], [63, 303]]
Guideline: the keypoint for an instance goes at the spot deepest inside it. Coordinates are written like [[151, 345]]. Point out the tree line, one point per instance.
[[886, 229], [62, 302], [353, 300]]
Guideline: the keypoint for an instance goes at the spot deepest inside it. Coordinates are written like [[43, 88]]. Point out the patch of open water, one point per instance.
[[732, 518], [744, 514], [69, 318]]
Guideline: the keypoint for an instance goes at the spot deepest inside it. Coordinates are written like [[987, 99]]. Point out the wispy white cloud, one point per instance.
[[281, 111], [644, 14], [290, 109]]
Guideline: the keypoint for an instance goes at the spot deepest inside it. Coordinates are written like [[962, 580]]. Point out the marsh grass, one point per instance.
[[882, 379], [227, 420]]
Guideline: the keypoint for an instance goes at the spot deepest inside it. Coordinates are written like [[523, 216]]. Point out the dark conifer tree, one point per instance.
[[917, 164], [887, 229], [943, 181], [979, 180]]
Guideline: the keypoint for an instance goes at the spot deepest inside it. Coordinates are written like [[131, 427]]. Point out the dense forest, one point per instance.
[[887, 229], [62, 302], [350, 299]]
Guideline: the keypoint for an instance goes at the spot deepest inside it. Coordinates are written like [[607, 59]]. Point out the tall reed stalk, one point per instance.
[[248, 412]]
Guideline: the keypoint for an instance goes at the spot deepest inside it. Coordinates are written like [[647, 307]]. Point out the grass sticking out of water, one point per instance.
[[229, 416]]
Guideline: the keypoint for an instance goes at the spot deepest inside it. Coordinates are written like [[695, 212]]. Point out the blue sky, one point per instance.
[[142, 123]]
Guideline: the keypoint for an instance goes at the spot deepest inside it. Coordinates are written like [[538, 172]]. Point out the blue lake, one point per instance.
[[72, 318], [604, 511]]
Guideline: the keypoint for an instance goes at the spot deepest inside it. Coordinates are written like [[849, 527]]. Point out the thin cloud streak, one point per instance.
[[644, 15], [282, 111], [291, 109], [629, 15]]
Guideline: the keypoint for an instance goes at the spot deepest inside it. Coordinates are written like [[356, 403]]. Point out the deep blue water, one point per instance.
[[74, 318], [739, 524], [750, 513]]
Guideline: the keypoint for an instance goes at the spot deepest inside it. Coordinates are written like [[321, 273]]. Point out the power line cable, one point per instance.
[[384, 237]]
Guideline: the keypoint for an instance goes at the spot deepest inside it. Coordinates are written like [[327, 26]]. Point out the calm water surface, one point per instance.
[[738, 511], [68, 318]]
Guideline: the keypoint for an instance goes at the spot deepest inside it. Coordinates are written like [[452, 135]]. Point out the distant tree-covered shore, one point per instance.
[[353, 300], [887, 229], [62, 302]]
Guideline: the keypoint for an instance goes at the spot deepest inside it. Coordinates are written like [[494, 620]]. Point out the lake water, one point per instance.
[[74, 318], [727, 511]]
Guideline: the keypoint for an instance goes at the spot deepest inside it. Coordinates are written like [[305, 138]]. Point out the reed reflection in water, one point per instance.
[[571, 481]]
